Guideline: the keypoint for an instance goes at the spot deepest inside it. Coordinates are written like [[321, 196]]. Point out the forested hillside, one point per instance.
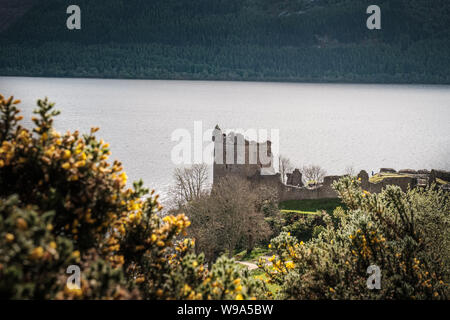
[[276, 40]]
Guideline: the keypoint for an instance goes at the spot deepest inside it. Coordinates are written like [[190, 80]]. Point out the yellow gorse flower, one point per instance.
[[66, 154], [37, 253], [9, 237], [22, 224], [65, 165], [290, 265]]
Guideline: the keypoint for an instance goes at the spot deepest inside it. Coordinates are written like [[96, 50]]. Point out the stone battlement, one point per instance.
[[234, 154]]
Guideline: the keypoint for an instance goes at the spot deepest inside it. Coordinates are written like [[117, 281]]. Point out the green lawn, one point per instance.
[[310, 206]]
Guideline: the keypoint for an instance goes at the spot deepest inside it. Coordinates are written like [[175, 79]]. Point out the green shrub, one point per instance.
[[303, 227], [405, 234], [31, 257], [63, 203]]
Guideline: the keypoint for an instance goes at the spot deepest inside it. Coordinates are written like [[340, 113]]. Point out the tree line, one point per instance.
[[233, 40]]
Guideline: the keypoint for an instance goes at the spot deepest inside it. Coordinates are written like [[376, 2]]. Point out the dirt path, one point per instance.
[[252, 266]]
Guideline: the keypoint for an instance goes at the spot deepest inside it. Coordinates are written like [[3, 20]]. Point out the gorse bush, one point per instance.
[[405, 234], [62, 203], [31, 256], [303, 226]]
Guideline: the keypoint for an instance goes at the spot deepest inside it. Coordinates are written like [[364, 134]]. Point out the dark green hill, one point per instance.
[[290, 40]]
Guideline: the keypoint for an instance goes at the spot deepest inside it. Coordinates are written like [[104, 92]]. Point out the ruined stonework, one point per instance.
[[234, 155], [320, 191], [439, 174], [403, 182], [387, 170]]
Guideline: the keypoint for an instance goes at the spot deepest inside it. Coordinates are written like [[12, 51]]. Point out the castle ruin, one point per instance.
[[235, 155]]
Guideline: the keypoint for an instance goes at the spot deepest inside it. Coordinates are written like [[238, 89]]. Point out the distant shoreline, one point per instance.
[[233, 80]]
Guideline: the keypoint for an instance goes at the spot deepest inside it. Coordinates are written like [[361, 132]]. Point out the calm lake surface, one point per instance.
[[332, 125]]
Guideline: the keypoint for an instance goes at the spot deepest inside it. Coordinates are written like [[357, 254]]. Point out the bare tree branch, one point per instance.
[[285, 167], [190, 183], [313, 174]]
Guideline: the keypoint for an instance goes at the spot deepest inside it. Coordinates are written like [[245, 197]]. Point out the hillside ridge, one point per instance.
[[262, 40]]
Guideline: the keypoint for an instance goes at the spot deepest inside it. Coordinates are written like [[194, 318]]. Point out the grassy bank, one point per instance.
[[310, 206]]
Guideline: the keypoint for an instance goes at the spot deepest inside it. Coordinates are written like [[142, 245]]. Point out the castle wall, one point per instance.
[[402, 182], [242, 170], [301, 193], [326, 190], [234, 155]]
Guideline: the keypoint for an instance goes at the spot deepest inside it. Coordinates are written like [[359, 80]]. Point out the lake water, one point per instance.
[[331, 125]]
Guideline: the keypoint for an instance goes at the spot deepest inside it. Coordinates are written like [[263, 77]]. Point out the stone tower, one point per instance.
[[233, 154]]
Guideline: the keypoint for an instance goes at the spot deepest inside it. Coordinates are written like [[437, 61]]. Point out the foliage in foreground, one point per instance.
[[405, 234], [303, 226], [62, 203]]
